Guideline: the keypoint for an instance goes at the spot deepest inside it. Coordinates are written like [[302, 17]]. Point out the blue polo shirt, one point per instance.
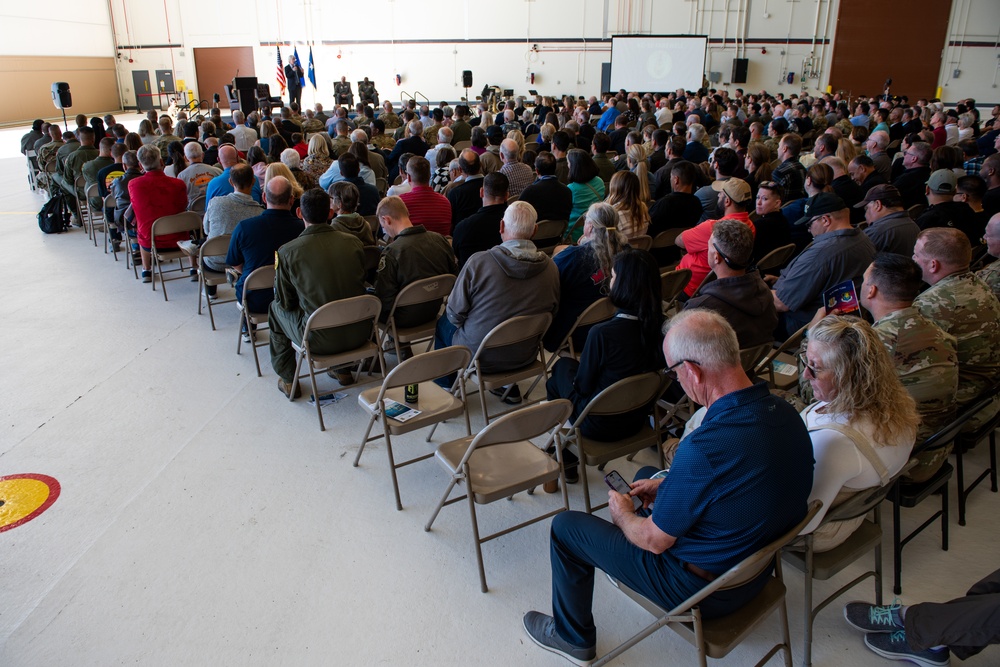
[[253, 244], [220, 185], [738, 481]]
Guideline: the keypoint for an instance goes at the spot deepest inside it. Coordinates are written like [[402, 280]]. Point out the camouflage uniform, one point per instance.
[[990, 274], [431, 134], [311, 126], [340, 145], [926, 360], [163, 143], [772, 145], [964, 307], [367, 92], [47, 153], [391, 120], [383, 142]]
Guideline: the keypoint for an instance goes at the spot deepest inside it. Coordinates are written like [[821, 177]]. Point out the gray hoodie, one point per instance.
[[508, 280]]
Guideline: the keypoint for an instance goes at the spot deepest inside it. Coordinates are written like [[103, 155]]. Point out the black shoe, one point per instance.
[[541, 629], [571, 464], [513, 396]]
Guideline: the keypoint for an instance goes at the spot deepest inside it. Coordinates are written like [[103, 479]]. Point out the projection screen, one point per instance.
[[657, 64]]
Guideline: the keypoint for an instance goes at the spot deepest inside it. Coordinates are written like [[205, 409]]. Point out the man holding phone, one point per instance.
[[737, 482]]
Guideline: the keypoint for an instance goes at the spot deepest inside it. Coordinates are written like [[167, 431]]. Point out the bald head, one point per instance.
[[509, 150], [278, 193], [228, 156]]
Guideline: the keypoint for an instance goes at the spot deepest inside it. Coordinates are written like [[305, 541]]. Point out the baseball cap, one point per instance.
[[942, 182], [494, 132], [735, 188], [885, 193], [821, 204]]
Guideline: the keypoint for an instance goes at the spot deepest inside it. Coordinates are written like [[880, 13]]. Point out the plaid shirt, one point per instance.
[[973, 166]]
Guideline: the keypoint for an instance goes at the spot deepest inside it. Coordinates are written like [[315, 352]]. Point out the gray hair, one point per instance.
[[734, 239], [130, 160], [705, 337], [238, 117], [194, 151], [149, 158], [359, 136], [291, 158], [697, 131], [519, 220], [445, 135], [415, 127], [510, 150], [881, 139]]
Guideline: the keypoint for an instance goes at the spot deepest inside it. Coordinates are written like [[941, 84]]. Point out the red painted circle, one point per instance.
[[54, 490]]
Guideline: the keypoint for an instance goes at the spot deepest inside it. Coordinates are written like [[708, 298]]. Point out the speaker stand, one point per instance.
[[65, 124]]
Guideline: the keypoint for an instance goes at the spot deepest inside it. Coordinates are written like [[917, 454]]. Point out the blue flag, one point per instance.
[[312, 68], [298, 63]]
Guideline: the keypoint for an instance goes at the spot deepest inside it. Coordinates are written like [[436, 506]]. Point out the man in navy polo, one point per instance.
[[737, 482]]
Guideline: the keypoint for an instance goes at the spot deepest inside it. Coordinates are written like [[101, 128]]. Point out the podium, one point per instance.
[[246, 92]]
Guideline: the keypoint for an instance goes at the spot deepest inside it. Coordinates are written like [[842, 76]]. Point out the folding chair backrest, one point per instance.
[[625, 395], [261, 278], [516, 330], [863, 502], [751, 356], [523, 424], [372, 256], [789, 343], [342, 312], [91, 190], [672, 282], [642, 242], [173, 224], [428, 366], [599, 311], [198, 205], [550, 229], [110, 201], [667, 238], [425, 290], [217, 246], [751, 566], [373, 223], [776, 257]]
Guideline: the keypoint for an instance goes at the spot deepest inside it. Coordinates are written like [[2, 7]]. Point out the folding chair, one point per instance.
[[171, 224], [776, 258], [642, 242], [261, 278], [627, 395], [709, 278], [715, 638], [662, 245], [32, 168], [522, 329], [82, 206], [549, 234], [672, 283], [434, 403], [966, 441], [364, 308], [501, 461], [217, 246], [198, 205], [382, 185], [427, 290], [781, 367], [599, 311], [373, 223], [462, 145], [827, 564], [94, 220], [109, 202], [751, 356]]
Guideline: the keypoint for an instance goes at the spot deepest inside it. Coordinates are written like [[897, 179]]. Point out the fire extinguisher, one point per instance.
[[399, 79], [532, 78]]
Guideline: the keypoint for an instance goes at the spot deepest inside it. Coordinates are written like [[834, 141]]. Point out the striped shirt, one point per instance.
[[428, 208]]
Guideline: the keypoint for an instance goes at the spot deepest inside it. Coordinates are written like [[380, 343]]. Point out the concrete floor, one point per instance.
[[204, 519]]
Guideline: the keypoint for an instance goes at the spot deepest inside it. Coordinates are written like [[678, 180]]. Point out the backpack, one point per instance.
[[55, 215]]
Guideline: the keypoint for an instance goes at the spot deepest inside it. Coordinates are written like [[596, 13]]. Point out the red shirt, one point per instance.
[[154, 195], [940, 137], [696, 245], [302, 149], [428, 208]]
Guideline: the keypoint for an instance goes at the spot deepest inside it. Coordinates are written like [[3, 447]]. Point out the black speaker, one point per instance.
[[467, 78], [740, 70], [60, 95]]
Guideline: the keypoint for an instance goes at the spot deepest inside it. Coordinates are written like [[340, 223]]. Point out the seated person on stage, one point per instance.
[[738, 482], [863, 424], [928, 632], [154, 195], [481, 230], [342, 93], [511, 279], [585, 273], [319, 266], [344, 198], [738, 295], [628, 344]]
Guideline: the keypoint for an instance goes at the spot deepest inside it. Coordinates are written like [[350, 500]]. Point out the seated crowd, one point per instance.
[[901, 199]]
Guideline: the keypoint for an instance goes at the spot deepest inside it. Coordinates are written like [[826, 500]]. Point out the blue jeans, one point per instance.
[[443, 335], [581, 542]]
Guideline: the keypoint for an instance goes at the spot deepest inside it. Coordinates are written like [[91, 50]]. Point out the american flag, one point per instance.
[[281, 72]]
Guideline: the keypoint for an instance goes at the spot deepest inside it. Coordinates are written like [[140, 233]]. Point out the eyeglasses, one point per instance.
[[809, 367], [672, 374]]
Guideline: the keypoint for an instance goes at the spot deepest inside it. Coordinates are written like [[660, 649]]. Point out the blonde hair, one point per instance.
[[636, 155], [625, 195], [518, 138], [280, 169], [318, 146], [268, 129], [846, 150], [865, 377]]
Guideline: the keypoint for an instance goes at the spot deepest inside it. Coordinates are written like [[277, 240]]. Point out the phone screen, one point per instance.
[[618, 483]]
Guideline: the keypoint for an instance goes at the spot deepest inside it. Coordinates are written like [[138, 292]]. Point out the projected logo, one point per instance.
[[659, 64]]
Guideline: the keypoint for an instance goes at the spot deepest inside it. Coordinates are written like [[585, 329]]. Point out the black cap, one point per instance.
[[821, 204]]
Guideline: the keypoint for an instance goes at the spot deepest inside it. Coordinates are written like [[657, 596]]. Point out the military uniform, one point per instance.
[[367, 92], [772, 145], [461, 131], [47, 153], [413, 255], [313, 125], [89, 172], [320, 266], [964, 307], [431, 134], [340, 146], [390, 120], [64, 152], [990, 275], [383, 142], [342, 93], [163, 143], [926, 360]]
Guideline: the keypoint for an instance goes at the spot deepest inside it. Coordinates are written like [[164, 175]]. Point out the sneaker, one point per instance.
[[894, 647], [286, 388], [868, 617], [513, 396], [147, 276], [194, 275], [246, 337], [541, 628]]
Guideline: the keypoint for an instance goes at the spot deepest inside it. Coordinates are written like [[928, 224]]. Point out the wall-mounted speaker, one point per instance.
[[740, 66]]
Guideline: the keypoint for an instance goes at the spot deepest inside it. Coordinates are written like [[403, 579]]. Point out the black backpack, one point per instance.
[[55, 215]]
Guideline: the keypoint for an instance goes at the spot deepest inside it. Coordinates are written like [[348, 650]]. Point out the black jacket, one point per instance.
[[746, 303]]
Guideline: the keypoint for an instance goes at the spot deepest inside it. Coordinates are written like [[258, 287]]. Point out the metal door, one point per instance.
[[140, 83], [165, 86]]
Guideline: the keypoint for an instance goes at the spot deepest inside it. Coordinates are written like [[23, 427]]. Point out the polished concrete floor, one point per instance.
[[204, 519]]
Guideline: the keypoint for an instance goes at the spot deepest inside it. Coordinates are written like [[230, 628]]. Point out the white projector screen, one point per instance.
[[657, 64]]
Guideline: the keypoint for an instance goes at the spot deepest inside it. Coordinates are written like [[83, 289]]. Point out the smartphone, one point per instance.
[[618, 483]]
